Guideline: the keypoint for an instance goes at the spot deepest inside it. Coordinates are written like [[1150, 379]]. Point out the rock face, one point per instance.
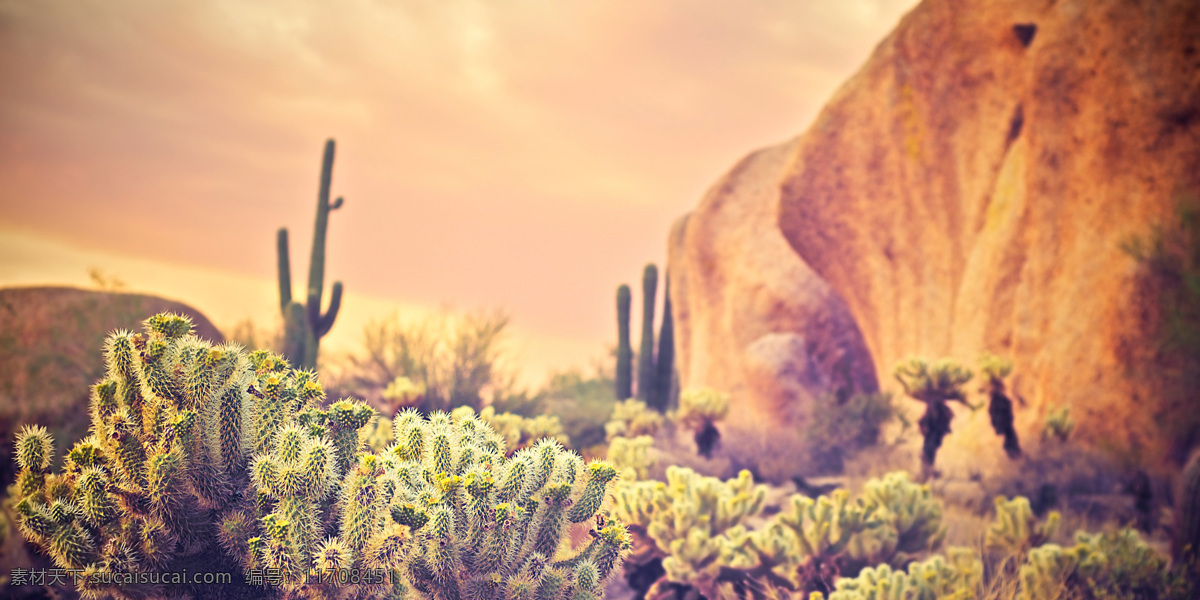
[[968, 190], [51, 341]]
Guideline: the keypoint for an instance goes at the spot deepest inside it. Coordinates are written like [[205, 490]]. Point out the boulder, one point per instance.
[[51, 352], [968, 190]]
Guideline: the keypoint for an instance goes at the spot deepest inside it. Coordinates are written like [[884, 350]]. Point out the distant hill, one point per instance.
[[50, 354]]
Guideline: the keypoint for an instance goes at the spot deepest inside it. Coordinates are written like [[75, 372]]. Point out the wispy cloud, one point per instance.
[[529, 153]]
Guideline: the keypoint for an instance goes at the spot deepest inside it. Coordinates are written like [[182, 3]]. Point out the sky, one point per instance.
[[523, 155]]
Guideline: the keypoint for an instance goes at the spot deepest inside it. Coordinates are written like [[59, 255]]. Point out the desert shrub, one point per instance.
[[458, 359], [581, 402], [840, 427]]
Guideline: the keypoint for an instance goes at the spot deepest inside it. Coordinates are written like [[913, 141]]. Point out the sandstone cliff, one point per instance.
[[968, 190]]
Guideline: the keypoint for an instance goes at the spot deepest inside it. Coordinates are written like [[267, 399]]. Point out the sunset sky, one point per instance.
[[528, 155]]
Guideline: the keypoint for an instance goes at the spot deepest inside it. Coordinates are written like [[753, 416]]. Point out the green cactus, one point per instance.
[[1000, 406], [304, 324], [646, 374], [935, 385], [1015, 530], [215, 457], [1059, 424], [699, 411], [953, 577], [664, 365], [624, 374], [1101, 565]]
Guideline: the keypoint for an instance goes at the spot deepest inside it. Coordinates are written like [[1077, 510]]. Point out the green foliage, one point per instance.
[[455, 358], [581, 403], [703, 529], [941, 381], [839, 427], [934, 385], [647, 375], [624, 377], [304, 324], [204, 457], [1059, 424], [1015, 529], [701, 407], [1103, 566]]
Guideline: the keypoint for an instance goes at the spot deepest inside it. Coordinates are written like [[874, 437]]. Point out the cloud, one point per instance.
[[527, 153]]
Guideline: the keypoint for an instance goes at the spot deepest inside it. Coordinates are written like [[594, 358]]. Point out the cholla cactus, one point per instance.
[[1059, 424], [935, 385], [203, 457], [1108, 565], [1000, 406], [521, 432], [703, 528], [632, 418], [631, 456], [953, 577], [1015, 529], [909, 522], [699, 410]]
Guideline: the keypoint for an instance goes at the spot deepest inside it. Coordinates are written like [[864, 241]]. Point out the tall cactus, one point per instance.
[[304, 324], [624, 350], [646, 387], [665, 363]]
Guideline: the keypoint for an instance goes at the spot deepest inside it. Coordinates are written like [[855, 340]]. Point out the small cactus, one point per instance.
[[699, 410]]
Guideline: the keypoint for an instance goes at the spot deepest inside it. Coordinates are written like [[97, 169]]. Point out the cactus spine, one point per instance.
[[304, 324], [646, 384], [624, 375]]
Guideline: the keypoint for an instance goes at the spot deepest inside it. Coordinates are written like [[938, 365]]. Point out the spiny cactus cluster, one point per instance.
[[304, 324], [935, 385], [954, 576], [214, 458], [655, 375], [699, 411], [1100, 565], [704, 530]]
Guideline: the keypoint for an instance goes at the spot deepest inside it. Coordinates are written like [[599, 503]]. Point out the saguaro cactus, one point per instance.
[[665, 362], [1187, 524], [624, 350], [304, 324], [646, 386]]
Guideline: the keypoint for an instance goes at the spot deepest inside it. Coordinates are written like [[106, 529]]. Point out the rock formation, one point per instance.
[[969, 189]]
